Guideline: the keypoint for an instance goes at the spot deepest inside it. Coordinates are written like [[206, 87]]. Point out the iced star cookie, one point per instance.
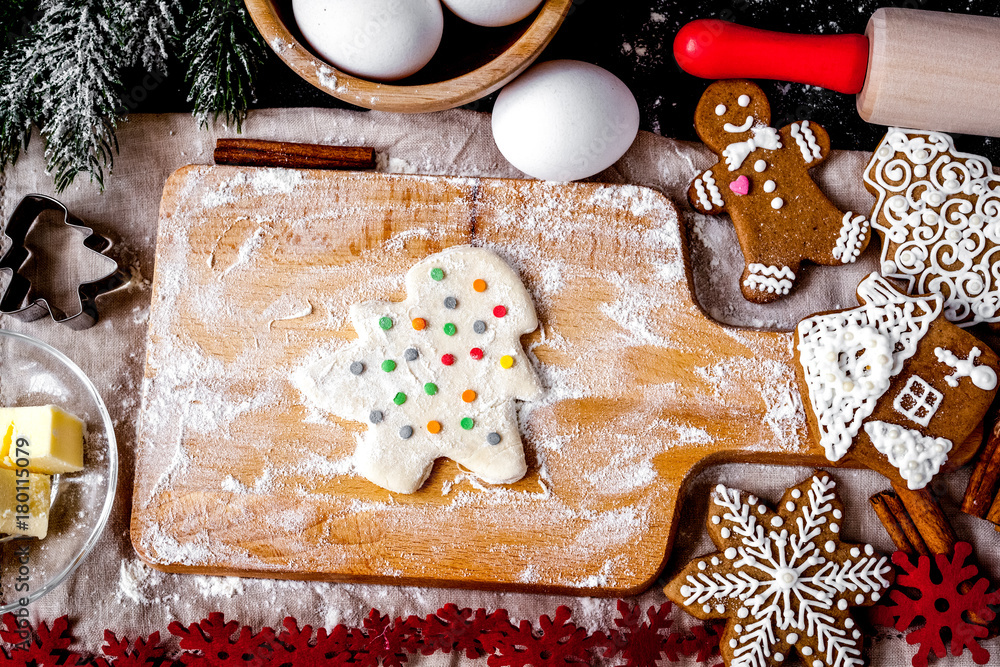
[[893, 376], [762, 181], [783, 580], [437, 374], [939, 213]]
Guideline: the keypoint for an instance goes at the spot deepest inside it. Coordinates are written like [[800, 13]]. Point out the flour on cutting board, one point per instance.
[[206, 387]]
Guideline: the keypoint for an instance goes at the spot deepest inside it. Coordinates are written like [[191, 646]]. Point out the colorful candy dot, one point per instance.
[[431, 388], [375, 416], [419, 323], [437, 274], [357, 368], [468, 423], [451, 303], [476, 353], [479, 285], [450, 329], [447, 359], [493, 438], [507, 361], [479, 326], [411, 354], [389, 365], [399, 398], [499, 311], [406, 432], [468, 396], [433, 426], [385, 322]]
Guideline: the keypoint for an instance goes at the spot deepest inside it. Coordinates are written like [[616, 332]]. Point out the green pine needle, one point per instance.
[[223, 51]]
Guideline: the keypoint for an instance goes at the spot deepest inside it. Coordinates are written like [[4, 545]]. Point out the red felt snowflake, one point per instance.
[[453, 629], [210, 643], [44, 647], [941, 604], [642, 643], [559, 643], [385, 642], [143, 653], [296, 647]]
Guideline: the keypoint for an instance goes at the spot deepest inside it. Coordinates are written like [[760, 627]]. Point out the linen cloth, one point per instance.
[[113, 589]]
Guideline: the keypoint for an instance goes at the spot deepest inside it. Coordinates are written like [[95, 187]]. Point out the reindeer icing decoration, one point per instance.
[[762, 181]]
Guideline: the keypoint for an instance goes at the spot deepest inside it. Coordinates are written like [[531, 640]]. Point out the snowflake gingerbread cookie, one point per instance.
[[762, 181], [939, 213], [784, 580], [436, 375], [893, 375]]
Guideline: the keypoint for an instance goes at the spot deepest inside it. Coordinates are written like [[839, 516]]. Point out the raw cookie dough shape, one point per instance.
[[762, 181], [784, 580], [939, 213], [441, 372], [893, 379]]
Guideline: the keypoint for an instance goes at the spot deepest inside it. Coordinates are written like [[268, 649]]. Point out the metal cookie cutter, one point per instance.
[[19, 287]]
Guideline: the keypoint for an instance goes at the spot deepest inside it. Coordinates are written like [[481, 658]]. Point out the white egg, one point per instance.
[[383, 40], [564, 120], [491, 13]]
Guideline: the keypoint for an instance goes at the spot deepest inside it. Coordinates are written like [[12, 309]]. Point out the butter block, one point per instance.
[[38, 489], [52, 438]]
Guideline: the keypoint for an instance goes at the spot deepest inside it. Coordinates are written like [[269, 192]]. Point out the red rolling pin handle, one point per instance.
[[715, 49]]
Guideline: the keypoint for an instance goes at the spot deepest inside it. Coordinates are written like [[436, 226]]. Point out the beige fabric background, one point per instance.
[[113, 589]]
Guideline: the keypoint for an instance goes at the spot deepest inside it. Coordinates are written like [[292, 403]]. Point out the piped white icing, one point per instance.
[[918, 401], [770, 279], [782, 583], [983, 377], [829, 347], [917, 457], [939, 211], [736, 129], [708, 192], [853, 232], [806, 141], [763, 137]]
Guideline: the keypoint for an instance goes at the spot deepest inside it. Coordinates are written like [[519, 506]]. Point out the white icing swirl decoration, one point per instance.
[[939, 213], [918, 457]]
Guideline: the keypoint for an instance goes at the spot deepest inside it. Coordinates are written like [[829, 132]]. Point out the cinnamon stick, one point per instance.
[[903, 532], [258, 153], [980, 494], [929, 519]]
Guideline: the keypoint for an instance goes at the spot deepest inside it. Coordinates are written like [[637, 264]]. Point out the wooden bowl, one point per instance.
[[471, 62]]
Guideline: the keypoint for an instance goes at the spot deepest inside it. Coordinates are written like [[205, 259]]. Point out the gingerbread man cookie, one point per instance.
[[436, 375], [784, 580], [896, 376], [762, 181]]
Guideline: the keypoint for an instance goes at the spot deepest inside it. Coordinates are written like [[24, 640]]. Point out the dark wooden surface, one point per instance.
[[633, 39]]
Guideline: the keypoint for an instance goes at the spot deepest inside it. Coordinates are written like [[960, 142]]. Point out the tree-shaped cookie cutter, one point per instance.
[[19, 287]]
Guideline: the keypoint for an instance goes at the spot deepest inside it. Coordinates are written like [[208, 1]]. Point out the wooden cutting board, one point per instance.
[[255, 271]]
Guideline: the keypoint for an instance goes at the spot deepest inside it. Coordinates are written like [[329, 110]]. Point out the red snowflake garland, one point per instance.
[[942, 605], [380, 641]]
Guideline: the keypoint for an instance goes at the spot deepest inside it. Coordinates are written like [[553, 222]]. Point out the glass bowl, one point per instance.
[[35, 373]]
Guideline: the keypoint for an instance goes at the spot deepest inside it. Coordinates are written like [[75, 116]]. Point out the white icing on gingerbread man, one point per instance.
[[781, 216]]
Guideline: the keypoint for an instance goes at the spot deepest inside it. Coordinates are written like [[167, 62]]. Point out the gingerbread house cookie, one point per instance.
[[762, 181], [896, 376], [784, 580], [436, 375], [939, 213]]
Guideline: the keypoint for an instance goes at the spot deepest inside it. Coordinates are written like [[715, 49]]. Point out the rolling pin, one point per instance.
[[912, 68]]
